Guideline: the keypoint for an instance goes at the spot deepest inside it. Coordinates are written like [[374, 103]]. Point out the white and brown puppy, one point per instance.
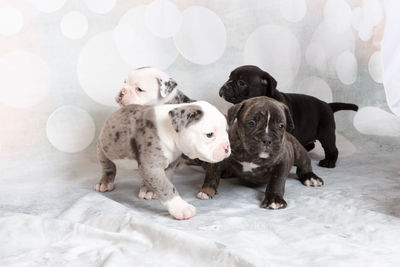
[[263, 151], [152, 138], [150, 86]]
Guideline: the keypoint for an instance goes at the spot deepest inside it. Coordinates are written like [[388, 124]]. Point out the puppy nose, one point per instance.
[[226, 148], [267, 140], [221, 91]]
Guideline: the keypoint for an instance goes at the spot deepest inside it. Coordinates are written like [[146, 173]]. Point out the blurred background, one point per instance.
[[62, 62]]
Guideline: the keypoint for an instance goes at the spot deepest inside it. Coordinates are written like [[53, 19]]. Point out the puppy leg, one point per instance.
[[211, 181], [109, 171], [309, 146], [276, 188], [147, 193], [156, 179], [327, 138], [304, 170]]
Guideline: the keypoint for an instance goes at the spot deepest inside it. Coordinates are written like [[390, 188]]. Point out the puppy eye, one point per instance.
[[241, 83], [209, 135], [281, 126], [251, 124], [139, 89]]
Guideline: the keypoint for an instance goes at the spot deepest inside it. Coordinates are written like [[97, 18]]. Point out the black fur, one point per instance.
[[313, 118]]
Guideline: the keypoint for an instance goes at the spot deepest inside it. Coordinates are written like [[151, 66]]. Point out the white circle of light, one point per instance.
[[100, 69], [316, 87], [25, 79], [202, 36], [11, 21], [375, 121], [366, 17], [163, 18], [70, 129], [276, 50], [346, 67], [74, 25], [293, 10], [337, 14], [138, 46], [48, 6], [100, 6], [316, 56], [375, 67]]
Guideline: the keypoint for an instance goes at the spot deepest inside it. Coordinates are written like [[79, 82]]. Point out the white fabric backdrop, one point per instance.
[[61, 64]]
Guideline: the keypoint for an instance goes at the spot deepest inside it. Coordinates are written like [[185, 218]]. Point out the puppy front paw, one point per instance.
[[145, 193], [327, 163], [206, 193], [273, 202], [180, 209], [312, 181], [104, 186]]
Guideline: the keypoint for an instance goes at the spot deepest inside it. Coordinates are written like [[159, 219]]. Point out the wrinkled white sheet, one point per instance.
[[54, 218]]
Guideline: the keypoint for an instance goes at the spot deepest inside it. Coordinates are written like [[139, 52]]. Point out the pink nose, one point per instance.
[[226, 148]]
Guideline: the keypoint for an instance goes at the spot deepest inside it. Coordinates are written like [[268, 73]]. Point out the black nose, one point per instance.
[[221, 92], [267, 140]]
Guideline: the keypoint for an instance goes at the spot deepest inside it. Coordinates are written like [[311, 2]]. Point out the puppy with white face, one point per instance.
[[152, 138], [150, 86]]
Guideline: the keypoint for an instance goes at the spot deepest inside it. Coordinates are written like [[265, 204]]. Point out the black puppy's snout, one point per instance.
[[221, 92]]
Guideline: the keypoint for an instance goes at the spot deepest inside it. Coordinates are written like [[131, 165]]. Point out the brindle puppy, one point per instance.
[[263, 151], [312, 117]]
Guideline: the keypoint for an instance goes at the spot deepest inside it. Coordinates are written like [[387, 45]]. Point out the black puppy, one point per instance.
[[262, 151], [313, 118]]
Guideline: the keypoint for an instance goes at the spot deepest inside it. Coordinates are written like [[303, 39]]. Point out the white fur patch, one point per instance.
[[127, 164], [275, 206], [248, 166], [202, 196], [264, 155], [179, 208], [313, 182], [269, 116]]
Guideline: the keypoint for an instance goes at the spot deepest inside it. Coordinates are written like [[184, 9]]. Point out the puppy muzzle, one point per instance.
[[227, 93]]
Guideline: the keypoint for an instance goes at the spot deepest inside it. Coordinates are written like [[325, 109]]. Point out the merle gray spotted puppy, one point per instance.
[[152, 138], [263, 151]]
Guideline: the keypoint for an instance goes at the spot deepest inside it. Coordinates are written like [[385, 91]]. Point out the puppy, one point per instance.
[[263, 151], [150, 86], [313, 118], [152, 138]]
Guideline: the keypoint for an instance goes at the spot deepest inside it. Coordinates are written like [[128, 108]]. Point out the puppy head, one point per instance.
[[145, 86], [201, 130], [261, 124], [246, 82]]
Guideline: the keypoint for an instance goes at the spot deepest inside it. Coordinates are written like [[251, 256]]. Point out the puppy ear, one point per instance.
[[289, 119], [233, 112], [182, 117], [269, 82], [166, 86]]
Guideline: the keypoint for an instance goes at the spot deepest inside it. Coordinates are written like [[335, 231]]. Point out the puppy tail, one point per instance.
[[336, 106]]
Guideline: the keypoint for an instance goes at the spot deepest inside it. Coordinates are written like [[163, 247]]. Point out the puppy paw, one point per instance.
[[273, 202], [326, 163], [104, 187], [145, 193], [313, 181], [206, 193], [180, 209]]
